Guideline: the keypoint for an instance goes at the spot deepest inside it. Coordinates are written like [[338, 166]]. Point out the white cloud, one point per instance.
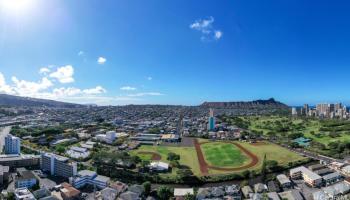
[[205, 26], [218, 34], [28, 88], [96, 90], [66, 92], [149, 78], [64, 74], [145, 94], [101, 60], [128, 88], [81, 53], [4, 88], [44, 70], [44, 88]]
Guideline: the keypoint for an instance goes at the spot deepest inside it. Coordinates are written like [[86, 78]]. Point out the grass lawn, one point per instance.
[[188, 155], [273, 152], [223, 154]]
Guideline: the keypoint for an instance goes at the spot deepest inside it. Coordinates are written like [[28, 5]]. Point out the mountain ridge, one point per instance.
[[12, 100]]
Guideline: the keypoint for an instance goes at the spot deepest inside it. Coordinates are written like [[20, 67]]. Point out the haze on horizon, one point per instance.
[[117, 52]]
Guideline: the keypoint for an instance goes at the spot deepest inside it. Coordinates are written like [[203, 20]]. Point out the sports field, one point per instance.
[[210, 158], [223, 154]]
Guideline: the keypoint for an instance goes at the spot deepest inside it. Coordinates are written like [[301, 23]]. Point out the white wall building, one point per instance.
[[85, 177], [58, 165], [12, 145]]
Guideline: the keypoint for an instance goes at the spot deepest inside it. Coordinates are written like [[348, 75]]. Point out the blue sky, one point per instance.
[[175, 52]]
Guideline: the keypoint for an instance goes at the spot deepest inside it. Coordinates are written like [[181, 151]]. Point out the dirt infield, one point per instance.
[[259, 143], [155, 156], [204, 166]]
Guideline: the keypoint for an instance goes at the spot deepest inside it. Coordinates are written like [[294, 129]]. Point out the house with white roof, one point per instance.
[[159, 166]]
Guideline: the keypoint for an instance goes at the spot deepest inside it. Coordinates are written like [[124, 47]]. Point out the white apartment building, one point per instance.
[[308, 176], [58, 165], [12, 145]]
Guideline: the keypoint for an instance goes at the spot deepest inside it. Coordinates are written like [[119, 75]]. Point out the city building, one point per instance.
[[309, 177], [294, 111], [23, 194], [87, 177], [211, 120], [58, 165], [12, 144], [4, 174], [110, 136], [25, 179], [68, 192], [15, 160], [291, 195], [332, 178], [78, 152], [284, 181], [306, 109]]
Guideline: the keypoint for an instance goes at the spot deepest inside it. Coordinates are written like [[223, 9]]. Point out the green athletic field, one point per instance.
[[223, 154]]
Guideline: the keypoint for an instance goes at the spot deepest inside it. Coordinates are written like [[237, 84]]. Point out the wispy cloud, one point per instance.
[[128, 88], [96, 90], [64, 74], [81, 53], [205, 26], [44, 70], [149, 78], [101, 60], [141, 94]]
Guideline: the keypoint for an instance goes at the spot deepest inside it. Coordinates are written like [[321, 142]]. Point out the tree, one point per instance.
[[147, 188], [184, 173], [60, 149], [271, 164], [164, 193], [173, 156], [189, 196], [246, 174], [174, 163], [145, 163]]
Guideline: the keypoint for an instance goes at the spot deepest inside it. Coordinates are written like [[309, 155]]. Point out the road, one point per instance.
[[3, 133]]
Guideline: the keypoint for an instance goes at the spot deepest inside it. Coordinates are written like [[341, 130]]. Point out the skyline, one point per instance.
[[132, 52]]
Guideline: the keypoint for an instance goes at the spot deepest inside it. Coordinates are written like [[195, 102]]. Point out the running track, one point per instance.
[[204, 165]]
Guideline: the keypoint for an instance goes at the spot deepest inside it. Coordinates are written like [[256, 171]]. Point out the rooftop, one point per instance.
[[183, 191]]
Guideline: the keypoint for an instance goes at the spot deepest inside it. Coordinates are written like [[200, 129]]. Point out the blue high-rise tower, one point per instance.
[[211, 120]]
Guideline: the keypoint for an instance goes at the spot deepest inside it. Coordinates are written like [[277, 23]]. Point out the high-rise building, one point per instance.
[[58, 165], [294, 111], [211, 120], [323, 109], [306, 109], [12, 145], [338, 106]]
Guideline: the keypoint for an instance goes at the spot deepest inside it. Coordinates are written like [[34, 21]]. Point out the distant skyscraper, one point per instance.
[[211, 120], [306, 109], [294, 111], [12, 145], [323, 109], [338, 106]]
